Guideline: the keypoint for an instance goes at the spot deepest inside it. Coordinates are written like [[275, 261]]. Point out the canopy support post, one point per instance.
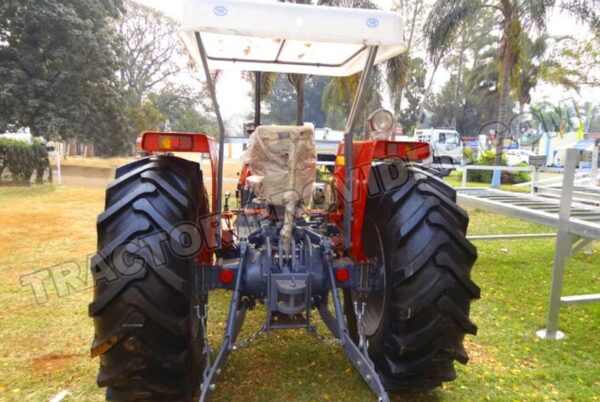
[[257, 91], [213, 95], [348, 138]]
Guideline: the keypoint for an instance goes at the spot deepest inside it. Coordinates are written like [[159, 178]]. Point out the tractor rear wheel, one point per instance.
[[147, 333], [416, 235]]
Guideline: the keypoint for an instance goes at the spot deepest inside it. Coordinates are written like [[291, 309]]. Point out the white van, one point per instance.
[[444, 142]]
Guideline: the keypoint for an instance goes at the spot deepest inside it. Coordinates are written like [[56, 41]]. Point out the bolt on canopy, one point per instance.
[[289, 38]]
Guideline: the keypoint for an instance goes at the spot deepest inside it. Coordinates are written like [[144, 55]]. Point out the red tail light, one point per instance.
[[342, 275], [226, 276]]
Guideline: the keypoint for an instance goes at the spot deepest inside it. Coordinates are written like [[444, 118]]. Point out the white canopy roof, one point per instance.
[[289, 38]]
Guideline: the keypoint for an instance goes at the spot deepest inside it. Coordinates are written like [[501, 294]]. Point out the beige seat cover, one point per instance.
[[282, 160]]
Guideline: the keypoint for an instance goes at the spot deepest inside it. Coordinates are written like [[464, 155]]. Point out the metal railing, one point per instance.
[[577, 225], [534, 171]]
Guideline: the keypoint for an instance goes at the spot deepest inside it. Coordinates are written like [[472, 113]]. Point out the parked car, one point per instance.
[[517, 156]]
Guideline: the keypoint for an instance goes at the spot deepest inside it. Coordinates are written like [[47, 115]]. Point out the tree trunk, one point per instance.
[[297, 80], [427, 91], [502, 128], [408, 46], [461, 58], [300, 101], [509, 42]]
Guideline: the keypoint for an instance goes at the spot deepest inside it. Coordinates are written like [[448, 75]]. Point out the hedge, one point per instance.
[[488, 158], [22, 159]]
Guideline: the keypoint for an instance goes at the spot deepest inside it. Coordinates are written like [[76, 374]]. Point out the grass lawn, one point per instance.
[[232, 167], [44, 348]]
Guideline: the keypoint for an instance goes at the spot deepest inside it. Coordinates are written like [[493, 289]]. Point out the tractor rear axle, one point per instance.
[[290, 281]]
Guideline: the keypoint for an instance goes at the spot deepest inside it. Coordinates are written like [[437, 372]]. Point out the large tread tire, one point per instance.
[[421, 233], [146, 331]]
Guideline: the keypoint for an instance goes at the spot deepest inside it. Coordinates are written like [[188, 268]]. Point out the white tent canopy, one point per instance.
[[289, 38]]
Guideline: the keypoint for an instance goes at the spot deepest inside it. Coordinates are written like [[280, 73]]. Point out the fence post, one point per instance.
[[496, 178], [464, 175], [58, 150], [594, 170], [535, 177], [564, 241]]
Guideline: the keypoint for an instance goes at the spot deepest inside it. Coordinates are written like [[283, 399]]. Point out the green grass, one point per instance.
[[45, 348]]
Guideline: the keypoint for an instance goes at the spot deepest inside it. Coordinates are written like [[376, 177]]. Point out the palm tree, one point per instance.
[[340, 91], [535, 65], [297, 80], [516, 17], [267, 83], [473, 37], [397, 68], [341, 85], [268, 79]]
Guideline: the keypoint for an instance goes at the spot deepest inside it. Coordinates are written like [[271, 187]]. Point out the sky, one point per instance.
[[232, 90]]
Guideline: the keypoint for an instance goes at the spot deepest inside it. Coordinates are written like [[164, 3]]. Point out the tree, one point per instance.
[[476, 108], [312, 100], [58, 60], [281, 102], [516, 17], [398, 68], [144, 117], [150, 47], [298, 81], [150, 51], [583, 57], [335, 100], [339, 93], [179, 106], [535, 64], [473, 37], [469, 102], [415, 92]]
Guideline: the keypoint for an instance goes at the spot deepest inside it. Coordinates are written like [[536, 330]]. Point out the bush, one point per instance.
[[41, 161], [488, 158], [22, 158], [518, 177], [469, 156]]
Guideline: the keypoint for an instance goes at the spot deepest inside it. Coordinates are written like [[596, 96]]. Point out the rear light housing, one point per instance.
[[406, 150], [173, 142]]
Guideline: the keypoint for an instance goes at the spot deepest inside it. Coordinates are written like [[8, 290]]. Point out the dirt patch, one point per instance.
[[478, 353], [53, 362], [21, 229], [94, 174]]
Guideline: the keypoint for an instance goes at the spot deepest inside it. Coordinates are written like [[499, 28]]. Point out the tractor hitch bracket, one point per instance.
[[235, 319], [359, 356]]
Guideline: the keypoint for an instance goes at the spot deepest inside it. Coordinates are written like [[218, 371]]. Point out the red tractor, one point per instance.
[[382, 243]]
